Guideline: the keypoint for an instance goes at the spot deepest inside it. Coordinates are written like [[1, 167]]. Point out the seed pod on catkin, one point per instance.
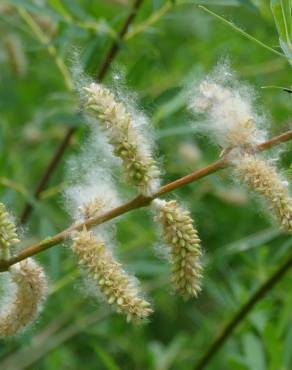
[[114, 283], [185, 250], [27, 299], [124, 135], [264, 180], [8, 234]]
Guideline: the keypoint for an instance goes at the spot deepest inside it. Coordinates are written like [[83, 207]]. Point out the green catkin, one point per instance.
[[265, 181], [128, 143], [8, 234], [117, 287], [27, 299], [185, 248]]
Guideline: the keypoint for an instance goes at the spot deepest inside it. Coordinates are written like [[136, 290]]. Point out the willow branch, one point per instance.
[[60, 150], [243, 312], [138, 202]]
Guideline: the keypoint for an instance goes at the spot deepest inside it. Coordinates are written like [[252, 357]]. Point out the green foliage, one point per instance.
[[283, 18], [241, 248]]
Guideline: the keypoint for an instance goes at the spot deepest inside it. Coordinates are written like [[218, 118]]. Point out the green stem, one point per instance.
[[43, 38]]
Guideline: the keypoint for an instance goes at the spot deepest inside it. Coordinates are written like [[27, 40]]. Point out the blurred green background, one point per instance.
[[169, 44]]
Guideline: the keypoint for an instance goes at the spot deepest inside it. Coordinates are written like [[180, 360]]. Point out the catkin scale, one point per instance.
[[185, 250], [92, 208], [117, 287], [127, 142], [30, 292], [264, 180]]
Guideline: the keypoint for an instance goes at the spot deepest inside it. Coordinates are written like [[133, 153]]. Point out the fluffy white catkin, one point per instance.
[[29, 293], [264, 180], [113, 282], [8, 234], [185, 249], [230, 116], [124, 135]]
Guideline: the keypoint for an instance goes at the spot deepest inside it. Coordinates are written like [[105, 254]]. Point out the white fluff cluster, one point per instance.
[[96, 184], [90, 176], [229, 110]]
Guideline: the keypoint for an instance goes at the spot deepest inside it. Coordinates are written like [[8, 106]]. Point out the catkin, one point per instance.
[[127, 141], [30, 292], [231, 118], [264, 180], [8, 234], [114, 283], [185, 250]]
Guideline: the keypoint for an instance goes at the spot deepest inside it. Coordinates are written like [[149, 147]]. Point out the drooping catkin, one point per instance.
[[27, 299], [264, 180], [114, 283], [185, 247], [8, 234], [124, 135]]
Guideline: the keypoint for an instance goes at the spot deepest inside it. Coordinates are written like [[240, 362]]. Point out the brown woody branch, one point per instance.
[[60, 150], [138, 202]]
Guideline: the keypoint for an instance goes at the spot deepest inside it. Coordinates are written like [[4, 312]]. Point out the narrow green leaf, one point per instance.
[[254, 353], [59, 7], [105, 358], [281, 10], [239, 30]]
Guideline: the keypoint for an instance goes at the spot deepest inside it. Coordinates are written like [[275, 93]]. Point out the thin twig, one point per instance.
[[45, 40], [154, 17], [116, 44], [46, 175], [243, 312], [138, 202], [52, 165]]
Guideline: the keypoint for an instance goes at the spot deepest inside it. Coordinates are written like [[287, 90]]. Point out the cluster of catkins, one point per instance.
[[234, 124], [237, 128], [123, 131], [26, 287]]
